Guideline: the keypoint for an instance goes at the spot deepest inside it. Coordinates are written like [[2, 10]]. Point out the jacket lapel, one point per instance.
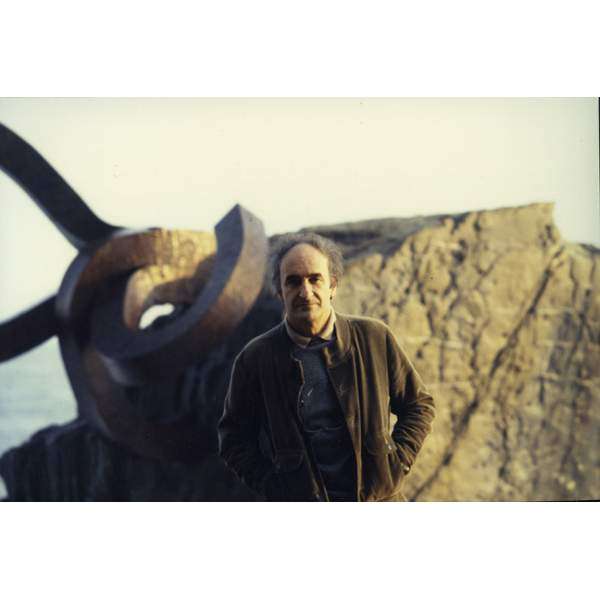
[[339, 359]]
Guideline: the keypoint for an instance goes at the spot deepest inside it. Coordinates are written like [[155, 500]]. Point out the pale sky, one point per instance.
[[294, 163]]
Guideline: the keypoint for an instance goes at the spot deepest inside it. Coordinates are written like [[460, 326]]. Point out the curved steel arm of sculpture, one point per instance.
[[28, 329], [50, 191], [135, 357]]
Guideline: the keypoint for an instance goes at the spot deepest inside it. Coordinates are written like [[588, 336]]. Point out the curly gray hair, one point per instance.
[[286, 242]]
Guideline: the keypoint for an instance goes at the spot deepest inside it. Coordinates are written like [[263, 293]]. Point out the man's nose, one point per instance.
[[305, 289]]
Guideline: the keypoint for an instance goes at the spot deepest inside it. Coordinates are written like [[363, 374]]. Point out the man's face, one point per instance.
[[306, 288]]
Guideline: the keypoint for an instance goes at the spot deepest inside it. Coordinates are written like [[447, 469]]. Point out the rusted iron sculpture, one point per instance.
[[213, 279]]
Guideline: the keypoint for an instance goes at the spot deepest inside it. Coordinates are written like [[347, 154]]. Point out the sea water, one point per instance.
[[34, 393]]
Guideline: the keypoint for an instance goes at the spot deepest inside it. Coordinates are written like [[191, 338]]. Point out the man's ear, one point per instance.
[[333, 289]]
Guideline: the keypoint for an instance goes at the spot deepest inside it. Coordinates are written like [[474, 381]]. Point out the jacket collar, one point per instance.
[[303, 341], [335, 354]]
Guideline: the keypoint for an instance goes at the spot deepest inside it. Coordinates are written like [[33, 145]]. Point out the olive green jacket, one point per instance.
[[260, 434]]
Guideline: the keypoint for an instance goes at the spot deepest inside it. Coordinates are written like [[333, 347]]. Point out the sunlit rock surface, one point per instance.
[[501, 318]]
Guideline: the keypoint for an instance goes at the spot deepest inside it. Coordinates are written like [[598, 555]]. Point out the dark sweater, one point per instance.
[[324, 425]]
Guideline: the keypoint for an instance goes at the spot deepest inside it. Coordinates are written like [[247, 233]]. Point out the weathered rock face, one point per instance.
[[502, 320]]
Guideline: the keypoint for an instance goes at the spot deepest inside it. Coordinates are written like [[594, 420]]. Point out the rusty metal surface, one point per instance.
[[212, 279], [138, 357]]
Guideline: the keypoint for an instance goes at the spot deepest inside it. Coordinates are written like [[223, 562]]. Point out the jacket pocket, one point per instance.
[[287, 462], [383, 470], [379, 444], [294, 476], [277, 487]]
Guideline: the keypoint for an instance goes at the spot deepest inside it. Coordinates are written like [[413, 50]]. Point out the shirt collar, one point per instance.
[[325, 334]]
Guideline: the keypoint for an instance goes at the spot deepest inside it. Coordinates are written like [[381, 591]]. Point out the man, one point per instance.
[[307, 413]]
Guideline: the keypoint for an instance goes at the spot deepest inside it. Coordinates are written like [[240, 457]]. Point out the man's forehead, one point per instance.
[[304, 259]]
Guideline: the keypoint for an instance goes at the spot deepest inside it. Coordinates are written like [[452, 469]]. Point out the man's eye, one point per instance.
[[315, 279]]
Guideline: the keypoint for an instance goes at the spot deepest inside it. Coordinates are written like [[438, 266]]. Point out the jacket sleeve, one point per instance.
[[238, 432], [409, 401]]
